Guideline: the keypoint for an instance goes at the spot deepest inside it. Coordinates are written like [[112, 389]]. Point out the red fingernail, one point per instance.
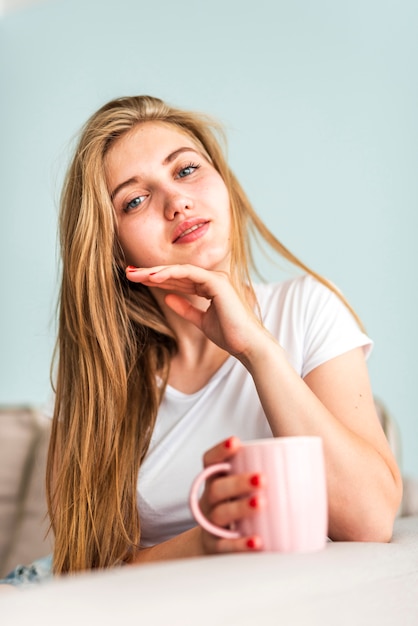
[[255, 480], [229, 442], [253, 502], [131, 267], [252, 543]]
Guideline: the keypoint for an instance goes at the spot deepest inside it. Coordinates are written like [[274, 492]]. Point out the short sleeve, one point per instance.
[[329, 327], [310, 322]]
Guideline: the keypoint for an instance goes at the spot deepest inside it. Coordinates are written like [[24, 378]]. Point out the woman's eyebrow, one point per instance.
[[125, 183], [174, 154]]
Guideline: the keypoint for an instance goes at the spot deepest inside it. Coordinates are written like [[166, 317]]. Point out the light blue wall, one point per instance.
[[320, 100]]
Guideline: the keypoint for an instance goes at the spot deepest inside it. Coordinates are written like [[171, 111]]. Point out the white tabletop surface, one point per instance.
[[345, 584]]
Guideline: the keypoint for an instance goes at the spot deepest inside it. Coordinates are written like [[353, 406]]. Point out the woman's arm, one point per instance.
[[334, 401], [185, 545]]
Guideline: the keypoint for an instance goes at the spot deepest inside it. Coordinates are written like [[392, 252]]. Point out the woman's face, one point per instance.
[[172, 206]]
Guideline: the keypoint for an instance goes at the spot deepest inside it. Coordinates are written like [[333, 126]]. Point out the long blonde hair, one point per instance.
[[114, 343]]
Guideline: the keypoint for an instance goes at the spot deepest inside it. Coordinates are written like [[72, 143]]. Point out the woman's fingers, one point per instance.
[[229, 512], [185, 309], [233, 486], [222, 451], [187, 279], [213, 545], [226, 515]]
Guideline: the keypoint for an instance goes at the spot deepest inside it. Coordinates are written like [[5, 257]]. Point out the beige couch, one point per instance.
[[24, 435]]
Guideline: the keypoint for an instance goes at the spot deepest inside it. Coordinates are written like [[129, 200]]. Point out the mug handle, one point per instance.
[[218, 531]]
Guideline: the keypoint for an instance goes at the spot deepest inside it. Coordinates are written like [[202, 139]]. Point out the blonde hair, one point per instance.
[[114, 343]]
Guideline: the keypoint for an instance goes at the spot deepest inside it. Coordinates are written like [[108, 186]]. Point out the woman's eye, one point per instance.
[[186, 171], [134, 203]]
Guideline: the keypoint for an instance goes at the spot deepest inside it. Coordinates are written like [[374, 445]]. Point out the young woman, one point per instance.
[[168, 353]]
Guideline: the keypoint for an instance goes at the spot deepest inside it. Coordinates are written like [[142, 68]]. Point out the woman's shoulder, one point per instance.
[[310, 321], [303, 301]]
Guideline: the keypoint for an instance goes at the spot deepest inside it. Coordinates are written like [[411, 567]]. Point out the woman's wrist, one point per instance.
[[262, 348]]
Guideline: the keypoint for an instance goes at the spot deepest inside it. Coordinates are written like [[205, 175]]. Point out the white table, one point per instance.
[[346, 584]]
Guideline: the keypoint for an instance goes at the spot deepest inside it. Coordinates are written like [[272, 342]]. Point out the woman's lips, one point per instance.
[[190, 231]]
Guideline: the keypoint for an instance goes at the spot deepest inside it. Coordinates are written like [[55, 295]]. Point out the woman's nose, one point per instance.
[[176, 204]]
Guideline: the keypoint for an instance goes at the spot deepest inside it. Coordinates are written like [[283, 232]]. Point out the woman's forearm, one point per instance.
[[185, 545], [335, 402]]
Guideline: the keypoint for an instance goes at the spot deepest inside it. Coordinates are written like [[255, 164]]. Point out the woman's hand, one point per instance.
[[226, 320], [228, 499], [225, 501]]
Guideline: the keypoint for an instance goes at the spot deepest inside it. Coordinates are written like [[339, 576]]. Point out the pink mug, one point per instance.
[[295, 516]]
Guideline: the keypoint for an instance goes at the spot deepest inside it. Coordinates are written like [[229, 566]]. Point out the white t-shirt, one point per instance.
[[311, 324]]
